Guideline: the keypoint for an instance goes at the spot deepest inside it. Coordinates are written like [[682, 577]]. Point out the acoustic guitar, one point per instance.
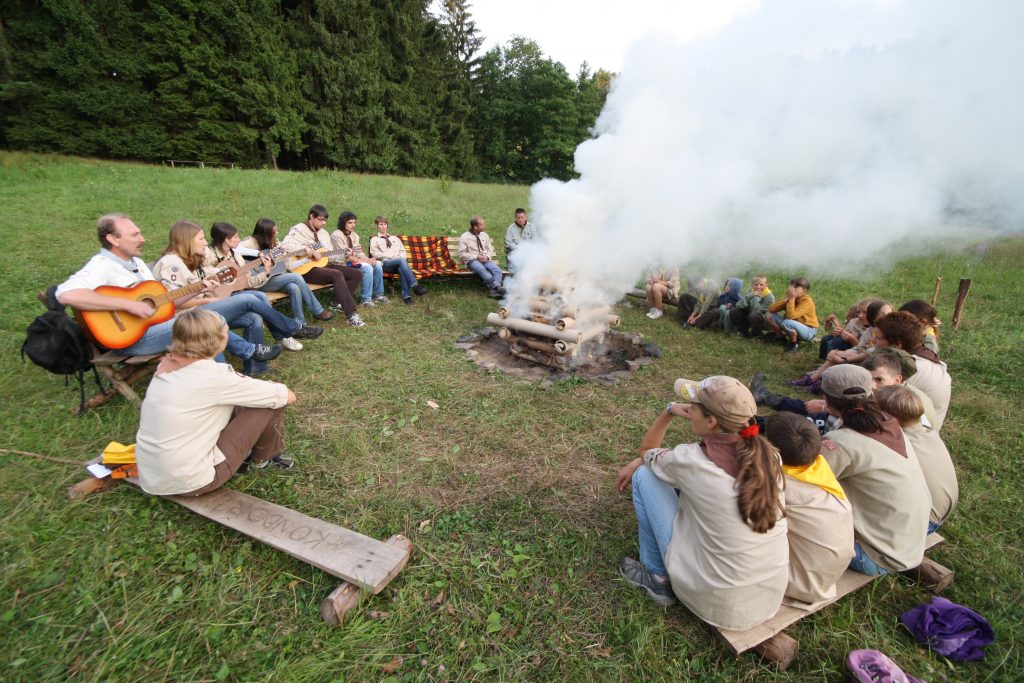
[[120, 329], [253, 267], [321, 258]]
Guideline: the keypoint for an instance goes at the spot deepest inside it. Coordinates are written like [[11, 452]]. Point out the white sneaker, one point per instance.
[[381, 299], [654, 314], [355, 321], [291, 344]]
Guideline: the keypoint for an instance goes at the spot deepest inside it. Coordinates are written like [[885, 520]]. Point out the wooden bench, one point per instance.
[[364, 564], [430, 256], [769, 639], [275, 297], [121, 372], [642, 295]]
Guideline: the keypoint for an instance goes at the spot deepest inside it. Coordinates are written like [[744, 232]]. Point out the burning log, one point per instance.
[[565, 323], [536, 329], [566, 348], [612, 320], [593, 332], [595, 313], [555, 348], [504, 333]]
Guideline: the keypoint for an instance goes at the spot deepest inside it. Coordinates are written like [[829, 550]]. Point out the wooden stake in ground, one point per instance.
[[935, 294], [961, 299]]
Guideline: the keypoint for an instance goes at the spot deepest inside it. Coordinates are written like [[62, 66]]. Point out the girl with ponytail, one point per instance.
[[710, 514], [879, 471]]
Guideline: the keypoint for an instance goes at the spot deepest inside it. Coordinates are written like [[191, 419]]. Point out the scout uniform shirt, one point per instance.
[[888, 493], [379, 248], [820, 536], [722, 570], [469, 250], [938, 470]]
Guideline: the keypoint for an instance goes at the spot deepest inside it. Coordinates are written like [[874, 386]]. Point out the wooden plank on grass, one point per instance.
[[358, 559], [741, 641]]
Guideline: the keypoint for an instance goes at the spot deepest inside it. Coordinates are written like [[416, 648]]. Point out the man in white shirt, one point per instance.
[[521, 230]]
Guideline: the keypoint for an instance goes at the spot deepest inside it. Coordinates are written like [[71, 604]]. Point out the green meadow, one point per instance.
[[506, 489]]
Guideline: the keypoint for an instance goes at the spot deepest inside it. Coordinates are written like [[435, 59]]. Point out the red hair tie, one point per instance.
[[750, 432]]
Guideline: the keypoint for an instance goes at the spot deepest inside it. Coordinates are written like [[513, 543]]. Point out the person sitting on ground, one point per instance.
[[660, 283], [818, 515], [226, 247], [182, 264], [844, 336], [887, 366], [748, 315], [928, 316], [312, 236], [712, 529], [476, 252], [201, 420], [700, 297], [855, 355], [118, 264], [263, 238], [521, 230], [875, 463], [729, 297], [346, 237], [932, 454], [390, 251], [903, 330], [799, 320]]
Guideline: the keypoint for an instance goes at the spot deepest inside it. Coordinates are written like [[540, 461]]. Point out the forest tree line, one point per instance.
[[377, 86]]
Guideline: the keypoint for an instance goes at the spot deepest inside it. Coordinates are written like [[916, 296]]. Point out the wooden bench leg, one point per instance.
[[347, 595], [933, 575], [780, 649]]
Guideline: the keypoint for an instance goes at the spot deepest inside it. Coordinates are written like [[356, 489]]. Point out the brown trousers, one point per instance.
[[256, 430], [346, 282]]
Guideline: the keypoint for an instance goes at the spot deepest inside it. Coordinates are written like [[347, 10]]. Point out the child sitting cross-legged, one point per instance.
[[932, 455], [748, 315], [819, 515]]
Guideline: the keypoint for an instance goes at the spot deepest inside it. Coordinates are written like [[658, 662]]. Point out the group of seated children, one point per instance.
[[745, 519], [755, 313]]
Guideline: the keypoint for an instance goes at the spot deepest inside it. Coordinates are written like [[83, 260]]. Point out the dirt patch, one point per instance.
[[615, 358]]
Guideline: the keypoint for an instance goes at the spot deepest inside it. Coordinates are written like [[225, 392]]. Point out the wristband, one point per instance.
[[668, 408]]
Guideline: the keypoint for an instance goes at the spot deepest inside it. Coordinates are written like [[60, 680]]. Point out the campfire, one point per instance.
[[550, 334], [551, 328]]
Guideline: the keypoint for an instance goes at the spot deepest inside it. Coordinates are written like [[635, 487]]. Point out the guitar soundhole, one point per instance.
[[149, 301]]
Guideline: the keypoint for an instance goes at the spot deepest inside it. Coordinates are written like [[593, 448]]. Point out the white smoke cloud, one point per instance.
[[813, 135]]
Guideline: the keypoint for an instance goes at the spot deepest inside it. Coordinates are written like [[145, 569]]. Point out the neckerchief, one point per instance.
[[819, 474]]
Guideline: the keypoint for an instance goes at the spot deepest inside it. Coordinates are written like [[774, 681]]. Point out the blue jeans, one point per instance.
[[864, 564], [803, 332], [299, 294], [400, 266], [655, 503], [831, 343], [488, 271], [373, 280]]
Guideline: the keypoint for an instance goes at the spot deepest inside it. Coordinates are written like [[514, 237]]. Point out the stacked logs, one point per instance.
[[555, 330]]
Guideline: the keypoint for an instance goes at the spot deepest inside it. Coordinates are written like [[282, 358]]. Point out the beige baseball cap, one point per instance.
[[846, 381], [726, 398]]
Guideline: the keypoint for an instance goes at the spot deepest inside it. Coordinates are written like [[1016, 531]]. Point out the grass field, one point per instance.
[[506, 489]]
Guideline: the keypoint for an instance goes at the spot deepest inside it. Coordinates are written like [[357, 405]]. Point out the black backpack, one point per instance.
[[57, 343]]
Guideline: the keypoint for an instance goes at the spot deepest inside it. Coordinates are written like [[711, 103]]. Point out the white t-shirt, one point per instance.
[[103, 270]]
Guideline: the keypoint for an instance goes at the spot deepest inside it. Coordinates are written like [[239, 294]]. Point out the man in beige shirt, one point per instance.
[[476, 252]]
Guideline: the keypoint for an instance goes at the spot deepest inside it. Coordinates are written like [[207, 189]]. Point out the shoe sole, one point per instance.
[[662, 600]]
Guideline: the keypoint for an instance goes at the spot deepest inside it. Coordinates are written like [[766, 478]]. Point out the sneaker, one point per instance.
[[792, 347], [407, 300], [266, 352], [419, 290], [309, 332], [638, 575], [367, 303], [325, 315], [758, 390], [802, 382], [290, 344], [654, 314], [872, 666], [355, 321], [494, 293], [336, 307], [262, 372], [280, 462], [381, 299]]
